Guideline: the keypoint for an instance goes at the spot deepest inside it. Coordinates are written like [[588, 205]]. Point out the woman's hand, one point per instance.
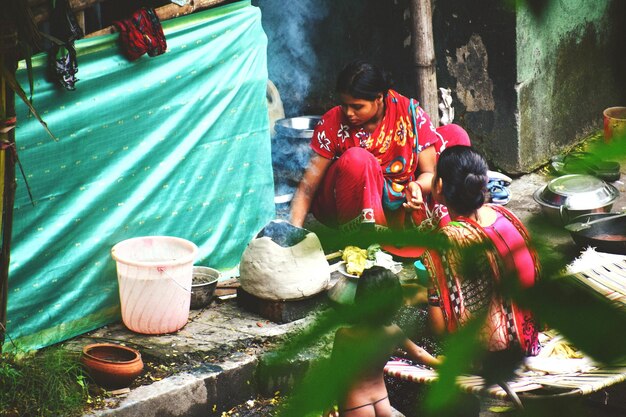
[[414, 197]]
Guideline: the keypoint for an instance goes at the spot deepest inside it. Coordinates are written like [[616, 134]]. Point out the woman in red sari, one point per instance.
[[469, 283], [374, 156]]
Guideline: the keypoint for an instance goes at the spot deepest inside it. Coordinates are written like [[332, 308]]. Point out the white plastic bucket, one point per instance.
[[154, 275]]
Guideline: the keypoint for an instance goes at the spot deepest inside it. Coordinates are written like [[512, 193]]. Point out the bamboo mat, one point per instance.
[[608, 279], [574, 384]]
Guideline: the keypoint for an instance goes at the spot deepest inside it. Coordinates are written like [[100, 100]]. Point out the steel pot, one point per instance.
[[604, 231], [569, 196]]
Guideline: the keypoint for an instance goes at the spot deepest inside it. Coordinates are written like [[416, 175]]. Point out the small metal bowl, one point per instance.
[[297, 127], [203, 286], [569, 196]]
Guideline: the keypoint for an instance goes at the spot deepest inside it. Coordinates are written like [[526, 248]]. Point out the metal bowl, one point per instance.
[[297, 127], [203, 286], [569, 196]]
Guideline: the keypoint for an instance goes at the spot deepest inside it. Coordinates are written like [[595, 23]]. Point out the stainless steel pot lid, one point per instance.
[[577, 192]]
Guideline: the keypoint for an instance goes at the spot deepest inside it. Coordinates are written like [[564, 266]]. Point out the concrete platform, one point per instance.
[[213, 361]]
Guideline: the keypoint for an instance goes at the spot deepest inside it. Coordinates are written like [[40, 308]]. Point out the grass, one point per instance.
[[50, 382]]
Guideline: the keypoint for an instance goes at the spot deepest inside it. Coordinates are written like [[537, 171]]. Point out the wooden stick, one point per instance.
[[80, 19], [170, 11], [424, 58], [334, 255]]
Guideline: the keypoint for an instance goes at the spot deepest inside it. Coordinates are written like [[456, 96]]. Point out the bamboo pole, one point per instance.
[[41, 10], [424, 58], [8, 60], [170, 11]]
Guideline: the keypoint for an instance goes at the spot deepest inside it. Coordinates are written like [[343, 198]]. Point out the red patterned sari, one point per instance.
[[366, 181]]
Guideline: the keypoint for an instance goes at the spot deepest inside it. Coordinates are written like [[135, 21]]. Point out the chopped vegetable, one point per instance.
[[355, 258], [372, 250]]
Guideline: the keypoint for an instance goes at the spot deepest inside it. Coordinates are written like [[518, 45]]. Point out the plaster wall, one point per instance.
[[570, 67], [475, 50]]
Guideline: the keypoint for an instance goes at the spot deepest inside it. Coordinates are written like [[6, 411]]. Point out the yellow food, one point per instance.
[[355, 258], [563, 349]]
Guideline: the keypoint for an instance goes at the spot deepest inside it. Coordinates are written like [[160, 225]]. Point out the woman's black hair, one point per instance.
[[378, 296], [463, 171], [363, 80]]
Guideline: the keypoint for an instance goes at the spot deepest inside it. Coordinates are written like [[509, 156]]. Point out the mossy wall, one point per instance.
[[570, 67], [475, 50]]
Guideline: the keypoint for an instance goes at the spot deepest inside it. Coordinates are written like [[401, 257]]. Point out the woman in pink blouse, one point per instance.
[[489, 250]]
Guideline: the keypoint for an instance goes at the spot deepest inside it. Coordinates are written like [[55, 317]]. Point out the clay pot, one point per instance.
[[112, 366]]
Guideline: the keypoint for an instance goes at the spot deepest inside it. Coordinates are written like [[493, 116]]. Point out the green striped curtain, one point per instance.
[[176, 144]]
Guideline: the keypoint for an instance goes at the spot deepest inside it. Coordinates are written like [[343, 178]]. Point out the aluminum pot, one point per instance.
[[344, 290], [569, 196], [297, 127]]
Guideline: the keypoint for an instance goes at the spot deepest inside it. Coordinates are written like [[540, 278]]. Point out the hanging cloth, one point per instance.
[[141, 33], [64, 30]]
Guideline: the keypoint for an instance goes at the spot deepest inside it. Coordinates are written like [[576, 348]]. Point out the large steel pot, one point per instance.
[[291, 151], [569, 196]]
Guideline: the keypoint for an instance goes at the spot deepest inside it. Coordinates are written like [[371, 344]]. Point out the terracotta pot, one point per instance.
[[112, 366]]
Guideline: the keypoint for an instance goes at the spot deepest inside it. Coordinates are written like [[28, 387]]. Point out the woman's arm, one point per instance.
[[436, 319], [416, 190], [426, 168], [313, 175]]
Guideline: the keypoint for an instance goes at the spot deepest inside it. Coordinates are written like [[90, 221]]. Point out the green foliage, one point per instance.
[[50, 382]]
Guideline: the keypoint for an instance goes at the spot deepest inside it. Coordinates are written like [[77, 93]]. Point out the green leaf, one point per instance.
[[587, 319], [20, 92], [462, 349]]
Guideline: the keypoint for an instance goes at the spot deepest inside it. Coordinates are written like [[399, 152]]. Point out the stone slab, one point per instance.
[[283, 311]]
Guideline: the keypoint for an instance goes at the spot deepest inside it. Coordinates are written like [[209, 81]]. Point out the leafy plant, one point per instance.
[[50, 382]]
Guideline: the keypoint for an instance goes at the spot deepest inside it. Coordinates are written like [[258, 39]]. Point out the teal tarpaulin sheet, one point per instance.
[[176, 145]]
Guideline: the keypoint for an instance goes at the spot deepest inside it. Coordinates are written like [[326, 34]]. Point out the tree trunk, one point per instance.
[[8, 60], [424, 58]]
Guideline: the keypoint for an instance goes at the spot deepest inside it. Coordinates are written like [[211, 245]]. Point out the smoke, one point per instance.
[[291, 155], [291, 27]]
